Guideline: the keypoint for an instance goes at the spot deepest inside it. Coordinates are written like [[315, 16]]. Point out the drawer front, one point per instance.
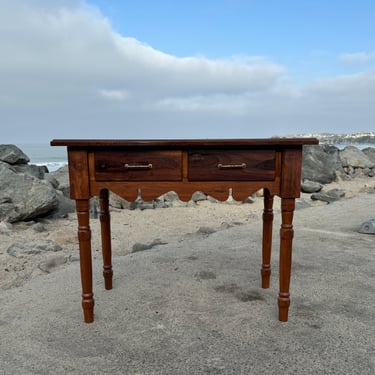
[[232, 165], [138, 166]]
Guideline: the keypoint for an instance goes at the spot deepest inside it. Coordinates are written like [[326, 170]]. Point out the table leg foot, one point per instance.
[[108, 276], [266, 276], [88, 307], [284, 303]]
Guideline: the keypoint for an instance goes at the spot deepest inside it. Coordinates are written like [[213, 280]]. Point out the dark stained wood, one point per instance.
[[138, 166], [105, 224], [232, 165], [185, 189], [291, 165], [84, 238], [267, 238], [185, 166], [78, 174], [184, 143], [286, 239]]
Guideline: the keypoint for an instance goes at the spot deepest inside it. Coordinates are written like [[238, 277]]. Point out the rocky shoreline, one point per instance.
[[29, 192], [38, 221]]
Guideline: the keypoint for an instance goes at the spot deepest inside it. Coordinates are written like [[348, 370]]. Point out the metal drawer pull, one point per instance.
[[139, 166], [231, 166]]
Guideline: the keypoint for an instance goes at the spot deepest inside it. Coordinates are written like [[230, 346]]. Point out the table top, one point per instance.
[[245, 142]]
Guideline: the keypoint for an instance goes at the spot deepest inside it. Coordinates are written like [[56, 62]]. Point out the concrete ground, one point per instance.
[[196, 307]]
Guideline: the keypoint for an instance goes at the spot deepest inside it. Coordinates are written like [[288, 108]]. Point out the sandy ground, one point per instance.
[[55, 242]]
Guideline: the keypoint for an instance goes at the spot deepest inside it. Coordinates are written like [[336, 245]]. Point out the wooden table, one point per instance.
[[185, 166]]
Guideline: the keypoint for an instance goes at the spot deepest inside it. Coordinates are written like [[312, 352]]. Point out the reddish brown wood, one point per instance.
[[233, 165], [96, 166], [218, 189], [184, 143], [138, 166], [84, 237], [291, 164], [106, 238], [286, 238], [267, 238], [78, 174]]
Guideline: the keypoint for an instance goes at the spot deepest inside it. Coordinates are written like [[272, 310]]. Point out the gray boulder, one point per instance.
[[22, 196], [62, 178], [330, 196], [321, 163], [308, 186], [11, 154], [370, 153], [37, 171], [351, 156], [368, 227]]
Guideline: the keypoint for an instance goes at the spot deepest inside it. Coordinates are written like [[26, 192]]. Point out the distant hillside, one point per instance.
[[344, 139]]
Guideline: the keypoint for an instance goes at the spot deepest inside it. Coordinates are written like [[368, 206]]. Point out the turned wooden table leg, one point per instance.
[[267, 239], [84, 238], [286, 240], [105, 224]]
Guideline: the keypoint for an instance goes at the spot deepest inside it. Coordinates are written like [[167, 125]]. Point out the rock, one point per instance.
[[65, 207], [170, 199], [367, 189], [206, 230], [142, 247], [51, 180], [49, 246], [62, 176], [118, 202], [321, 163], [370, 153], [308, 186], [18, 250], [212, 199], [159, 203], [142, 205], [191, 203], [368, 227], [330, 196], [5, 227], [24, 197], [37, 171], [39, 228], [52, 262], [199, 196], [94, 207], [249, 199], [11, 154], [369, 172], [352, 156]]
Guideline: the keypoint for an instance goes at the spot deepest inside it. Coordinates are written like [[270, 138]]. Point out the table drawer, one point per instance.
[[232, 165], [138, 166]]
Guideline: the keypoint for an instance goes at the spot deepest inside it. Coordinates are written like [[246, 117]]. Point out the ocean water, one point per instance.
[[44, 154]]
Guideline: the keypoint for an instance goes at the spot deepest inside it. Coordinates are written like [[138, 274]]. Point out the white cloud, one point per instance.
[[64, 70], [117, 95], [357, 58]]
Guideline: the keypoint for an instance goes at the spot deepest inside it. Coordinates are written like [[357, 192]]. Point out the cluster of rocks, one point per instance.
[[24, 193], [28, 191], [325, 163]]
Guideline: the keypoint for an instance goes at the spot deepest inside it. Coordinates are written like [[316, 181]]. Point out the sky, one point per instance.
[[185, 69]]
